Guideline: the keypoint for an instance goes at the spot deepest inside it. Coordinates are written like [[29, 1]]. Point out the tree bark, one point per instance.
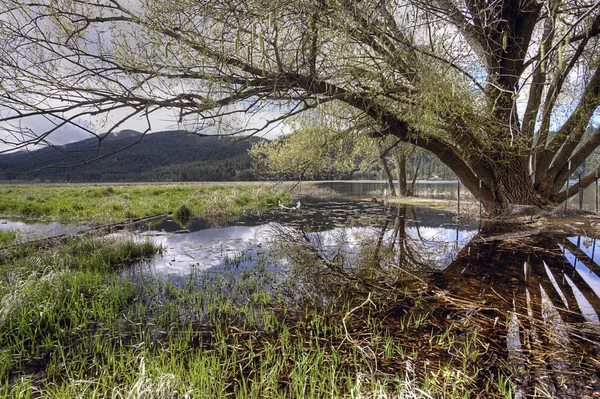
[[400, 166], [411, 187], [388, 175]]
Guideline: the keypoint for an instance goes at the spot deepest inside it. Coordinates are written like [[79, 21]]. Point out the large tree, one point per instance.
[[500, 90]]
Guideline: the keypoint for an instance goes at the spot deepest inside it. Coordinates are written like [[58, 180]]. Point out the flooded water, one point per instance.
[[533, 293], [29, 230], [345, 233], [334, 228], [348, 234], [534, 296], [528, 274]]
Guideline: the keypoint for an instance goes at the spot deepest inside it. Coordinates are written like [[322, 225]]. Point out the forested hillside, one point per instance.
[[161, 156]]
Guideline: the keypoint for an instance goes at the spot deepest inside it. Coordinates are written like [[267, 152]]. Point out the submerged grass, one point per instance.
[[113, 203], [72, 326], [82, 319]]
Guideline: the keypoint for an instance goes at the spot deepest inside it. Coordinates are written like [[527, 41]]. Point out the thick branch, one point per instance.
[[574, 189], [577, 159], [571, 132], [546, 151], [539, 78]]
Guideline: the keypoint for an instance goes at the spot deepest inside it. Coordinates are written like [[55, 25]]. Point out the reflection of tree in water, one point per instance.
[[414, 251], [366, 256], [553, 332], [375, 245], [525, 293]]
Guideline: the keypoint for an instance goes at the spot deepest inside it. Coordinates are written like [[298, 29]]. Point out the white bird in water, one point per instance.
[[287, 208]]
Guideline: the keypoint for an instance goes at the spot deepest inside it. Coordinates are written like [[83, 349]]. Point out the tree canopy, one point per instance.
[[314, 148], [501, 91]]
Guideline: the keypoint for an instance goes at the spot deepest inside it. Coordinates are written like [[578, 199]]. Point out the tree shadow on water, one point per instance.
[[542, 292]]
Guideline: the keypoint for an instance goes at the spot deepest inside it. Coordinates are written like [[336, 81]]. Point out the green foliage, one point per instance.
[[57, 305], [316, 151], [446, 97], [7, 238], [105, 254], [312, 151], [72, 330], [183, 215]]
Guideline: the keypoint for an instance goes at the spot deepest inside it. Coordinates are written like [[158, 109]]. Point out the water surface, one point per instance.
[[333, 228], [34, 230], [442, 189]]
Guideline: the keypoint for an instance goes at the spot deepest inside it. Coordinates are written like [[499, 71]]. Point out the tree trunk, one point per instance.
[[509, 184], [411, 188], [388, 175], [400, 166]]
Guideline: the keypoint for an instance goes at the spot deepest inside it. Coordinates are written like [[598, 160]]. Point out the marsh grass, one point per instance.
[[101, 203], [8, 238], [72, 325], [182, 215]]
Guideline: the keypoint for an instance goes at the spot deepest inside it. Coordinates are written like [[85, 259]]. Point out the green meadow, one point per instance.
[[121, 202]]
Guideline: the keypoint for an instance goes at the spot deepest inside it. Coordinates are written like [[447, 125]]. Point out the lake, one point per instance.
[[422, 240], [332, 227]]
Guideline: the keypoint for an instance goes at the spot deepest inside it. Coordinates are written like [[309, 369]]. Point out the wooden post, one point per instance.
[[458, 199], [568, 176], [479, 204], [457, 226], [580, 192], [532, 194]]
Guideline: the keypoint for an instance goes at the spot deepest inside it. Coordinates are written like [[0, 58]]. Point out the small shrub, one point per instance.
[[183, 215]]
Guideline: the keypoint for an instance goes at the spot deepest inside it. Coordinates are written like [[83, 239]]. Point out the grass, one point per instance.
[[8, 238], [114, 203], [183, 215], [72, 326]]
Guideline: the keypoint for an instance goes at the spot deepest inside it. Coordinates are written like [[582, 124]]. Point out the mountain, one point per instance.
[[161, 156]]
